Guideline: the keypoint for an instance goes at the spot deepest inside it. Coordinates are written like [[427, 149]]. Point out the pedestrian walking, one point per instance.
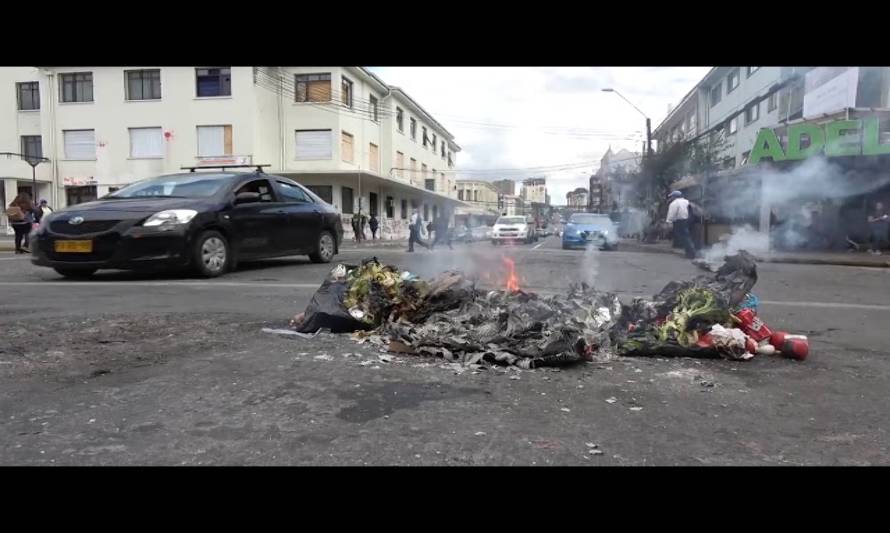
[[879, 225], [20, 213], [354, 222], [415, 226], [442, 231], [362, 221], [678, 216], [373, 224], [47, 210]]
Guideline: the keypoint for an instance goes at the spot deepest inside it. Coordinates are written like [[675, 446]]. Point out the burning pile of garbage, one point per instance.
[[712, 315]]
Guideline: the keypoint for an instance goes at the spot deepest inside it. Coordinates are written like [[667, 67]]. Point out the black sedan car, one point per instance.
[[207, 221]]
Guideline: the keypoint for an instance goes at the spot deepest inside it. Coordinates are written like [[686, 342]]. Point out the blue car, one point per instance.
[[590, 229]]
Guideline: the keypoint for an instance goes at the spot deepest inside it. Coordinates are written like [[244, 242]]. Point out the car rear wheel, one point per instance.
[[324, 249], [76, 273], [211, 254]]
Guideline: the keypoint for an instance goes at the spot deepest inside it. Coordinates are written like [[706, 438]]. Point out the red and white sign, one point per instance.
[[68, 181]]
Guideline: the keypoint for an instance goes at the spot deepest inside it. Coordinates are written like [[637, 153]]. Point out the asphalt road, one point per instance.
[[138, 369]]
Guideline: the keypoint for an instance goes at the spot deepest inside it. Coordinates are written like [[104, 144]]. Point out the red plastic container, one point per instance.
[[753, 326], [796, 347], [778, 339]]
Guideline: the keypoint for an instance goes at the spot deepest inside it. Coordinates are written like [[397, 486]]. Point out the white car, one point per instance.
[[512, 229]]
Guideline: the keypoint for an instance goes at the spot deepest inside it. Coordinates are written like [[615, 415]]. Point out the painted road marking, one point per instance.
[[539, 245], [830, 305], [232, 284]]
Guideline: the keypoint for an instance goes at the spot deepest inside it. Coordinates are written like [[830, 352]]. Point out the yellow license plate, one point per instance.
[[78, 247]]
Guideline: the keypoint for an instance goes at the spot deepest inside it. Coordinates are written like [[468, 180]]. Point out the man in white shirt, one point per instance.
[[415, 224], [678, 216]]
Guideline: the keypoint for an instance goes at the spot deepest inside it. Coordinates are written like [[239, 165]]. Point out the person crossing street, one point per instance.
[[678, 216]]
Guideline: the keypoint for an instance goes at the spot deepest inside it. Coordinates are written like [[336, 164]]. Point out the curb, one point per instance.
[[779, 260]]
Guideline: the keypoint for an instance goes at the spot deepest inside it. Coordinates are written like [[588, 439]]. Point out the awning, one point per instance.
[[373, 180]]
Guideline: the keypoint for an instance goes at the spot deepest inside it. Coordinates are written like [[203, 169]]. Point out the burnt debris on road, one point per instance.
[[710, 316]]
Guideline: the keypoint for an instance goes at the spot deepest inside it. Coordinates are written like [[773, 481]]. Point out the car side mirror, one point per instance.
[[247, 197]]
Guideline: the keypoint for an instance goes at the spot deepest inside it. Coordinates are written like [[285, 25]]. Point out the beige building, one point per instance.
[[478, 193], [577, 199], [343, 132], [534, 190]]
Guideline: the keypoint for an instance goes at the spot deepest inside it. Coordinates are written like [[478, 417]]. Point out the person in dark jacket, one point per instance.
[[373, 224]]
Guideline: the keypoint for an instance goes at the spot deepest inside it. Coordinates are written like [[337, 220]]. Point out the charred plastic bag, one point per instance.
[[326, 309]]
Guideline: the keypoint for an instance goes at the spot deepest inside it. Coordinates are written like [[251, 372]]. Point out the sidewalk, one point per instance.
[[861, 259], [370, 244]]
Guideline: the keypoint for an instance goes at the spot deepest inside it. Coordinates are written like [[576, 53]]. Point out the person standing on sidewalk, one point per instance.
[[678, 216], [373, 224], [21, 215], [879, 224]]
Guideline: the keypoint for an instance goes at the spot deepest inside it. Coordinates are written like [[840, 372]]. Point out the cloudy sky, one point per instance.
[[529, 117]]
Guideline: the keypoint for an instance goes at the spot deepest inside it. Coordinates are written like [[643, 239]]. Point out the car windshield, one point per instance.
[[511, 220], [589, 219], [191, 185]]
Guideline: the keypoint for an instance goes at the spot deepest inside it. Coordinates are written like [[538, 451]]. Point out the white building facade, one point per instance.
[[340, 131]]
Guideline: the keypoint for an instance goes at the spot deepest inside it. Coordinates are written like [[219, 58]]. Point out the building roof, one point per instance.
[[692, 92], [413, 104], [429, 118]]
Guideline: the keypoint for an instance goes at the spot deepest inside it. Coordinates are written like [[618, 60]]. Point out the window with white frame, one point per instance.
[[772, 102], [732, 81], [214, 141], [32, 146], [426, 140], [28, 94], [79, 144], [146, 143], [346, 91], [347, 151], [211, 82], [400, 119], [752, 70], [372, 103], [374, 157], [752, 113], [312, 87], [716, 93], [313, 144], [733, 125], [76, 87], [413, 129], [443, 149], [435, 142], [143, 84]]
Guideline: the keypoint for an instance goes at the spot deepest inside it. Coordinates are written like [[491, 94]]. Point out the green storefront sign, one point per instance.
[[833, 139]]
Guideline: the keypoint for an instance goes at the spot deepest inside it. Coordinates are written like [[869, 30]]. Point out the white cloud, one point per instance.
[[554, 115]]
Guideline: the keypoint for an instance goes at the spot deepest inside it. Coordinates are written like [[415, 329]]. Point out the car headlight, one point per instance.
[[171, 217]]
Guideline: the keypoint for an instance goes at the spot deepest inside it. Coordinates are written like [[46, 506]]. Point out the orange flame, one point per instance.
[[512, 278]]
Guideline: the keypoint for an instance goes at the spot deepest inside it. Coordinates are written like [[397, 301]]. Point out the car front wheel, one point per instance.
[[211, 254], [324, 249]]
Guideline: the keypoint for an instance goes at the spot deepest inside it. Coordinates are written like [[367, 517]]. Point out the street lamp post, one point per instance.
[[33, 161], [648, 153], [648, 120]]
